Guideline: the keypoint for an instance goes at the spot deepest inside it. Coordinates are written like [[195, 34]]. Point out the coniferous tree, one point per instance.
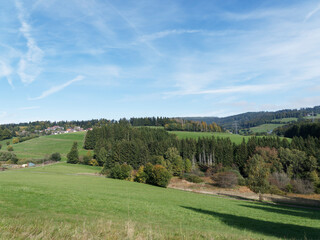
[[73, 155]]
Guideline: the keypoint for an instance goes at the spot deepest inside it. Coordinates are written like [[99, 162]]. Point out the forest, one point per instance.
[[263, 163], [303, 129]]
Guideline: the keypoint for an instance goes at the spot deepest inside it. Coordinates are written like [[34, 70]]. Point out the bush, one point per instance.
[[121, 171], [0, 146], [86, 159], [93, 162], [9, 148], [280, 180], [317, 188], [275, 190], [8, 157], [302, 186], [8, 143], [141, 176], [15, 140], [161, 176], [198, 172], [192, 178], [55, 157], [226, 179], [187, 165]]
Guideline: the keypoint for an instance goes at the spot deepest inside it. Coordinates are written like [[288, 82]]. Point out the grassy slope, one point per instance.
[[285, 120], [54, 202], [265, 127], [316, 117], [234, 137], [39, 147]]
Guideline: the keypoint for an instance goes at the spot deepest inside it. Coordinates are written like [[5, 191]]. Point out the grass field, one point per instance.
[[46, 145], [184, 134], [285, 120], [265, 127], [62, 202], [316, 117]]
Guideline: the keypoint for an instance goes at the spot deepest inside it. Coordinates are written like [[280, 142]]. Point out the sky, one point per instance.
[[91, 59]]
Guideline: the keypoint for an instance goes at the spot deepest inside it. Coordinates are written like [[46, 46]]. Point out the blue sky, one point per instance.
[[84, 59]]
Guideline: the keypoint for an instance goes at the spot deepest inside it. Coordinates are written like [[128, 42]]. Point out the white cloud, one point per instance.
[[311, 13], [29, 68], [232, 89], [29, 108], [57, 88], [166, 33], [6, 71]]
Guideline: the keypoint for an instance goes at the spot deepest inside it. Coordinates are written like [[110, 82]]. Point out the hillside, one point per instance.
[[46, 145], [253, 119], [64, 201]]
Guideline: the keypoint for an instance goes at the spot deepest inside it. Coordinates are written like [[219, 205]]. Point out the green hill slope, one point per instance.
[[62, 201], [46, 145]]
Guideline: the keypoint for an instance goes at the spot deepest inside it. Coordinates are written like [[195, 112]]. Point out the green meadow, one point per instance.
[[184, 134], [63, 201], [265, 127], [46, 145], [285, 120]]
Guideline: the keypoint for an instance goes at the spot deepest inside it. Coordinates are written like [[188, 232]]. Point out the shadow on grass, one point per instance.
[[298, 212], [280, 230], [236, 197]]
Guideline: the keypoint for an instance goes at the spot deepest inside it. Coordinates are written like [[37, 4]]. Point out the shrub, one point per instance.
[[8, 143], [275, 190], [226, 179], [317, 188], [8, 157], [86, 159], [121, 171], [55, 157], [187, 165], [197, 171], [93, 162], [9, 148], [302, 186], [0, 146], [15, 140], [161, 176], [280, 180], [141, 176], [193, 178]]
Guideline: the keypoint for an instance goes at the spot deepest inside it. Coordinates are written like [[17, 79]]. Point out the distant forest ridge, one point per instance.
[[243, 120], [253, 119]]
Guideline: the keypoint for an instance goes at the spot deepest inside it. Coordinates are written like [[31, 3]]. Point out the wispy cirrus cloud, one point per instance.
[[57, 88], [311, 13], [5, 72], [29, 64], [29, 108], [166, 33], [255, 89]]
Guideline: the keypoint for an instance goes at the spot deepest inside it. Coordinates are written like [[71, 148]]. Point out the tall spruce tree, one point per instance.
[[73, 155]]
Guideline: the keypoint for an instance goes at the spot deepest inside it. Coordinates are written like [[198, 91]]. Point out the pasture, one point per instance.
[[265, 127], [64, 201], [46, 145], [184, 134], [285, 120]]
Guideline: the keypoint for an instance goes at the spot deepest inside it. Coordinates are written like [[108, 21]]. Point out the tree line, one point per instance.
[[304, 130], [256, 160]]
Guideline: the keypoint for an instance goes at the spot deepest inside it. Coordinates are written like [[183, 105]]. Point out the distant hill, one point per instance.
[[253, 119]]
